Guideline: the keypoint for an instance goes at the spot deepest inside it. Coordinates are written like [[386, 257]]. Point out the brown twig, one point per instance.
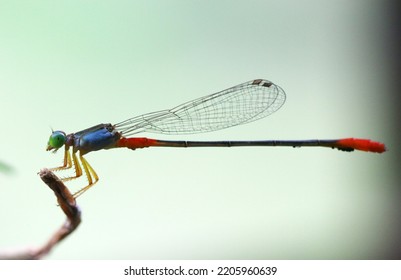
[[70, 208]]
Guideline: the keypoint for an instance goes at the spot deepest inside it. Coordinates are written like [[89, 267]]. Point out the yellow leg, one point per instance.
[[89, 172], [78, 169], [88, 169], [66, 164]]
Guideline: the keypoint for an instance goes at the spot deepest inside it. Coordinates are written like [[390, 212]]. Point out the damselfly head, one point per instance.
[[56, 140]]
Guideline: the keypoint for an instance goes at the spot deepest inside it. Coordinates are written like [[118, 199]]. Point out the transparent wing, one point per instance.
[[240, 104]]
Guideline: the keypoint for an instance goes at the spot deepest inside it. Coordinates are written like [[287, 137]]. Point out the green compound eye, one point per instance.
[[57, 139]]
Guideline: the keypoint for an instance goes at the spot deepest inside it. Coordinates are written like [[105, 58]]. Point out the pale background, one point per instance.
[[72, 64]]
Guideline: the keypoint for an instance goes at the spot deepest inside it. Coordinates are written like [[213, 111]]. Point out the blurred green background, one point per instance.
[[68, 65]]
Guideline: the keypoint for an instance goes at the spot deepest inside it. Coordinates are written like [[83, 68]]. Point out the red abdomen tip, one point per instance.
[[362, 145]]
